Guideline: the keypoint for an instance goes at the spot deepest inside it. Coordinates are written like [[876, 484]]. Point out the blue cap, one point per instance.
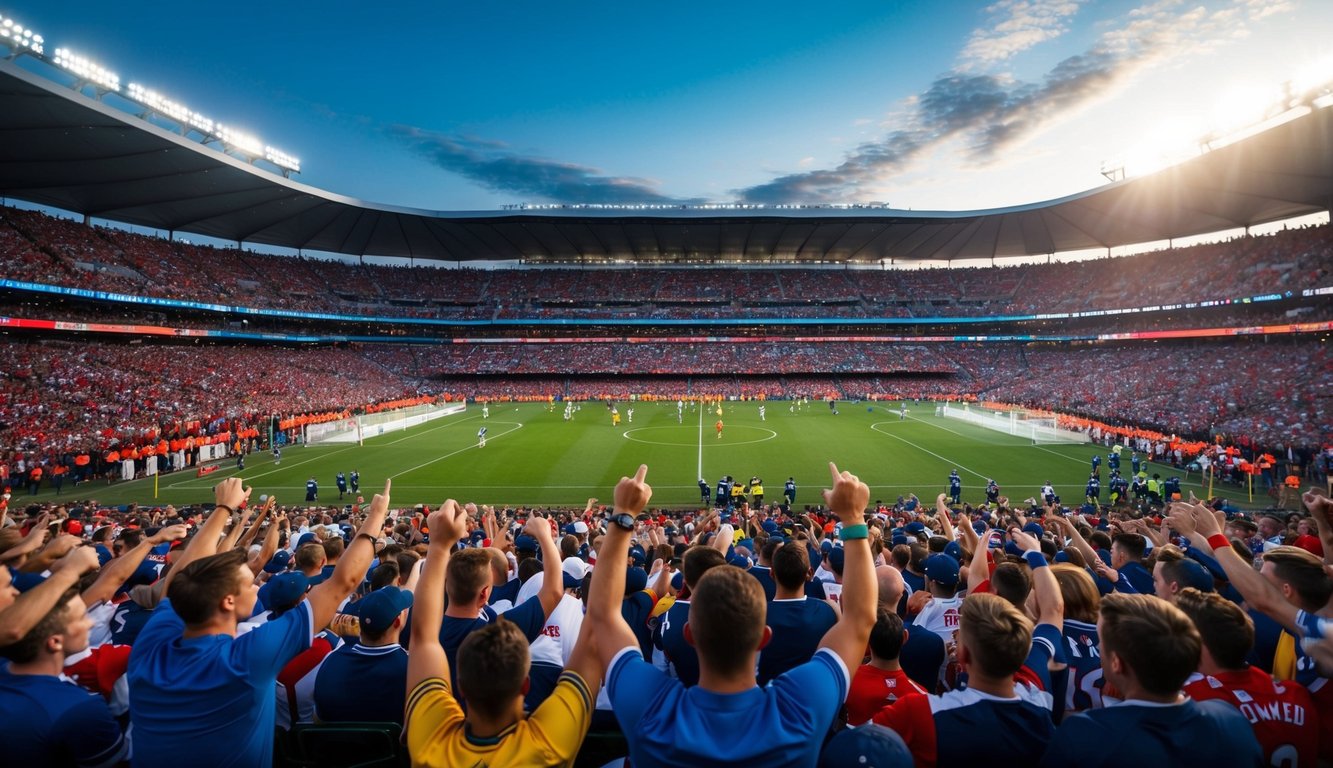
[[1033, 528], [898, 538], [638, 556], [279, 562], [825, 545], [525, 544], [740, 561], [836, 558], [284, 591], [954, 549], [980, 526], [636, 580], [870, 746], [1062, 556], [307, 538], [942, 569], [778, 537], [378, 609], [477, 536], [916, 528], [678, 581], [770, 526], [570, 581], [747, 542]]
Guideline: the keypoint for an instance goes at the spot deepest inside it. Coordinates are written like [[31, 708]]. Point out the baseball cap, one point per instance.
[[378, 609], [279, 563], [836, 558], [574, 566], [870, 746], [307, 538], [942, 569], [525, 544], [954, 549], [578, 527], [916, 528], [283, 591], [1033, 528], [1194, 575]]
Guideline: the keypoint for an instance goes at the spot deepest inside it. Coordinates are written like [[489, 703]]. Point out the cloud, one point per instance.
[[990, 113], [492, 165], [1015, 26]]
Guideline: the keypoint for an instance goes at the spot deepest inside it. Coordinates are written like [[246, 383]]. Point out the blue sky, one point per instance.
[[944, 105]]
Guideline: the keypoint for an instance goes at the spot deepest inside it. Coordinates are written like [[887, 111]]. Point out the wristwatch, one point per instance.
[[623, 519]]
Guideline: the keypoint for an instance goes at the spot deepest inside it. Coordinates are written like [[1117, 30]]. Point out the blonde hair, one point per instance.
[[1082, 600]]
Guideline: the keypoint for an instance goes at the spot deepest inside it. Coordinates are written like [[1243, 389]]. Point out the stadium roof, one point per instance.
[[61, 148]]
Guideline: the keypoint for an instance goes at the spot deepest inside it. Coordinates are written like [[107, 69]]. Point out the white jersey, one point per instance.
[[556, 642], [940, 616]]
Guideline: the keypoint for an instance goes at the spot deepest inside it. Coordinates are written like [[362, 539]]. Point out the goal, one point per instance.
[[1041, 430]]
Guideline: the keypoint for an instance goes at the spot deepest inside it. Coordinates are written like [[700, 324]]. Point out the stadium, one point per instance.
[[179, 312]]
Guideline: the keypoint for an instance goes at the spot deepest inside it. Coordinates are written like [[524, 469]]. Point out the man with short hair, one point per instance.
[[881, 681], [1283, 716], [669, 724], [940, 615], [195, 687], [45, 718], [493, 666], [1149, 648], [797, 623], [678, 654], [363, 681]]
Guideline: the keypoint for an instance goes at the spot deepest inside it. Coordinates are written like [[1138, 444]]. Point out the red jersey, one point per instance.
[[102, 670], [874, 689], [1283, 715]]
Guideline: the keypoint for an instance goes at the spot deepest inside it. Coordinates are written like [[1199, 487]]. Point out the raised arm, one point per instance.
[[722, 541], [227, 495], [1198, 523], [31, 606], [942, 513], [352, 566], [847, 499], [978, 570], [448, 525], [552, 580], [1070, 531], [119, 570], [608, 577], [1050, 602], [234, 533], [1320, 508], [269, 546], [252, 532]]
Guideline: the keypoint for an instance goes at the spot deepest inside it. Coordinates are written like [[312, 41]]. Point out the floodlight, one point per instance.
[[168, 108], [18, 38], [87, 70], [243, 142], [282, 159]]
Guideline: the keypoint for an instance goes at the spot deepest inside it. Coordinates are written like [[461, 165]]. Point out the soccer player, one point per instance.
[[355, 481], [492, 673], [718, 425], [195, 687], [1096, 464], [955, 486], [481, 438], [704, 492], [881, 681], [1093, 491], [1285, 720], [902, 411], [485, 410], [992, 492], [341, 481], [727, 718], [629, 415], [761, 414], [311, 489], [615, 416], [1048, 493], [1149, 648], [789, 491], [277, 454], [724, 491]]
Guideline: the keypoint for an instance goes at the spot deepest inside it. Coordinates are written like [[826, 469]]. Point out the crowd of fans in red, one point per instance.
[[39, 248]]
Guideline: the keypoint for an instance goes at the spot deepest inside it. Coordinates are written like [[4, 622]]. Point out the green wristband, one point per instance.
[[853, 532]]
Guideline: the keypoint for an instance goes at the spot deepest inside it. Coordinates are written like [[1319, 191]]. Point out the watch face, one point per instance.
[[624, 520]]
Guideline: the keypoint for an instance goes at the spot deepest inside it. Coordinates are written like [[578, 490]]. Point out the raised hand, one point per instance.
[[80, 559], [538, 528], [848, 497], [231, 493], [380, 503], [1025, 541], [170, 533], [632, 493], [448, 524]]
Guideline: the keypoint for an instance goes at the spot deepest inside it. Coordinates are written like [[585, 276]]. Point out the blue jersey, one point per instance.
[[1204, 733], [789, 490], [50, 720], [953, 729], [1078, 687], [341, 481], [955, 483], [765, 576], [669, 638], [360, 684], [1094, 489], [311, 490], [1096, 460], [798, 625], [529, 616], [780, 725], [209, 697]]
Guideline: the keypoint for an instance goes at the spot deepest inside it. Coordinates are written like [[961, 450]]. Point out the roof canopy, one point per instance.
[[61, 148]]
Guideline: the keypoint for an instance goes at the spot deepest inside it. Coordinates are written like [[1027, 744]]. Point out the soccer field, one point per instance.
[[533, 456]]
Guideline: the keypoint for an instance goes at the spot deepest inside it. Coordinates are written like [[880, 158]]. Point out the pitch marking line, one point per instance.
[[944, 459], [489, 438]]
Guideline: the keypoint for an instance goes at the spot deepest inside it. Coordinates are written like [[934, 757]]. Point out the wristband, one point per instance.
[[1035, 559], [1218, 541], [367, 537], [854, 532]]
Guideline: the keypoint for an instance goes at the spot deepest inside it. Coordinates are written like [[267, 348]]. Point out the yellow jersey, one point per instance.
[[437, 733]]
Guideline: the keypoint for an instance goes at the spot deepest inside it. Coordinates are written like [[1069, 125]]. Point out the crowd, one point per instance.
[[781, 630], [38, 248]]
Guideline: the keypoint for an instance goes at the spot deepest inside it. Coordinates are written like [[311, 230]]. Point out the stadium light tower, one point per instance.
[[19, 39]]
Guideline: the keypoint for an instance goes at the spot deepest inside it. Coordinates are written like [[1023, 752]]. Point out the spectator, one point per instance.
[[363, 681]]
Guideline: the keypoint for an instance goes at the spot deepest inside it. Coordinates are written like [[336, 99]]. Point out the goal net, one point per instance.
[[1041, 430], [355, 429]]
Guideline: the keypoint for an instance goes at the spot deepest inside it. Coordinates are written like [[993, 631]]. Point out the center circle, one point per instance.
[[767, 434]]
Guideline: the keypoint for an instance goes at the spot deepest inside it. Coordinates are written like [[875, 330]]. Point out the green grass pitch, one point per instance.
[[533, 456]]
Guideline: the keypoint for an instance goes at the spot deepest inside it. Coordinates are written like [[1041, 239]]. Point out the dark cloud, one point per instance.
[[492, 165]]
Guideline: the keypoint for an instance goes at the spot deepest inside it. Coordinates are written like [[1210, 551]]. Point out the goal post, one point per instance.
[[355, 429], [1041, 430]]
